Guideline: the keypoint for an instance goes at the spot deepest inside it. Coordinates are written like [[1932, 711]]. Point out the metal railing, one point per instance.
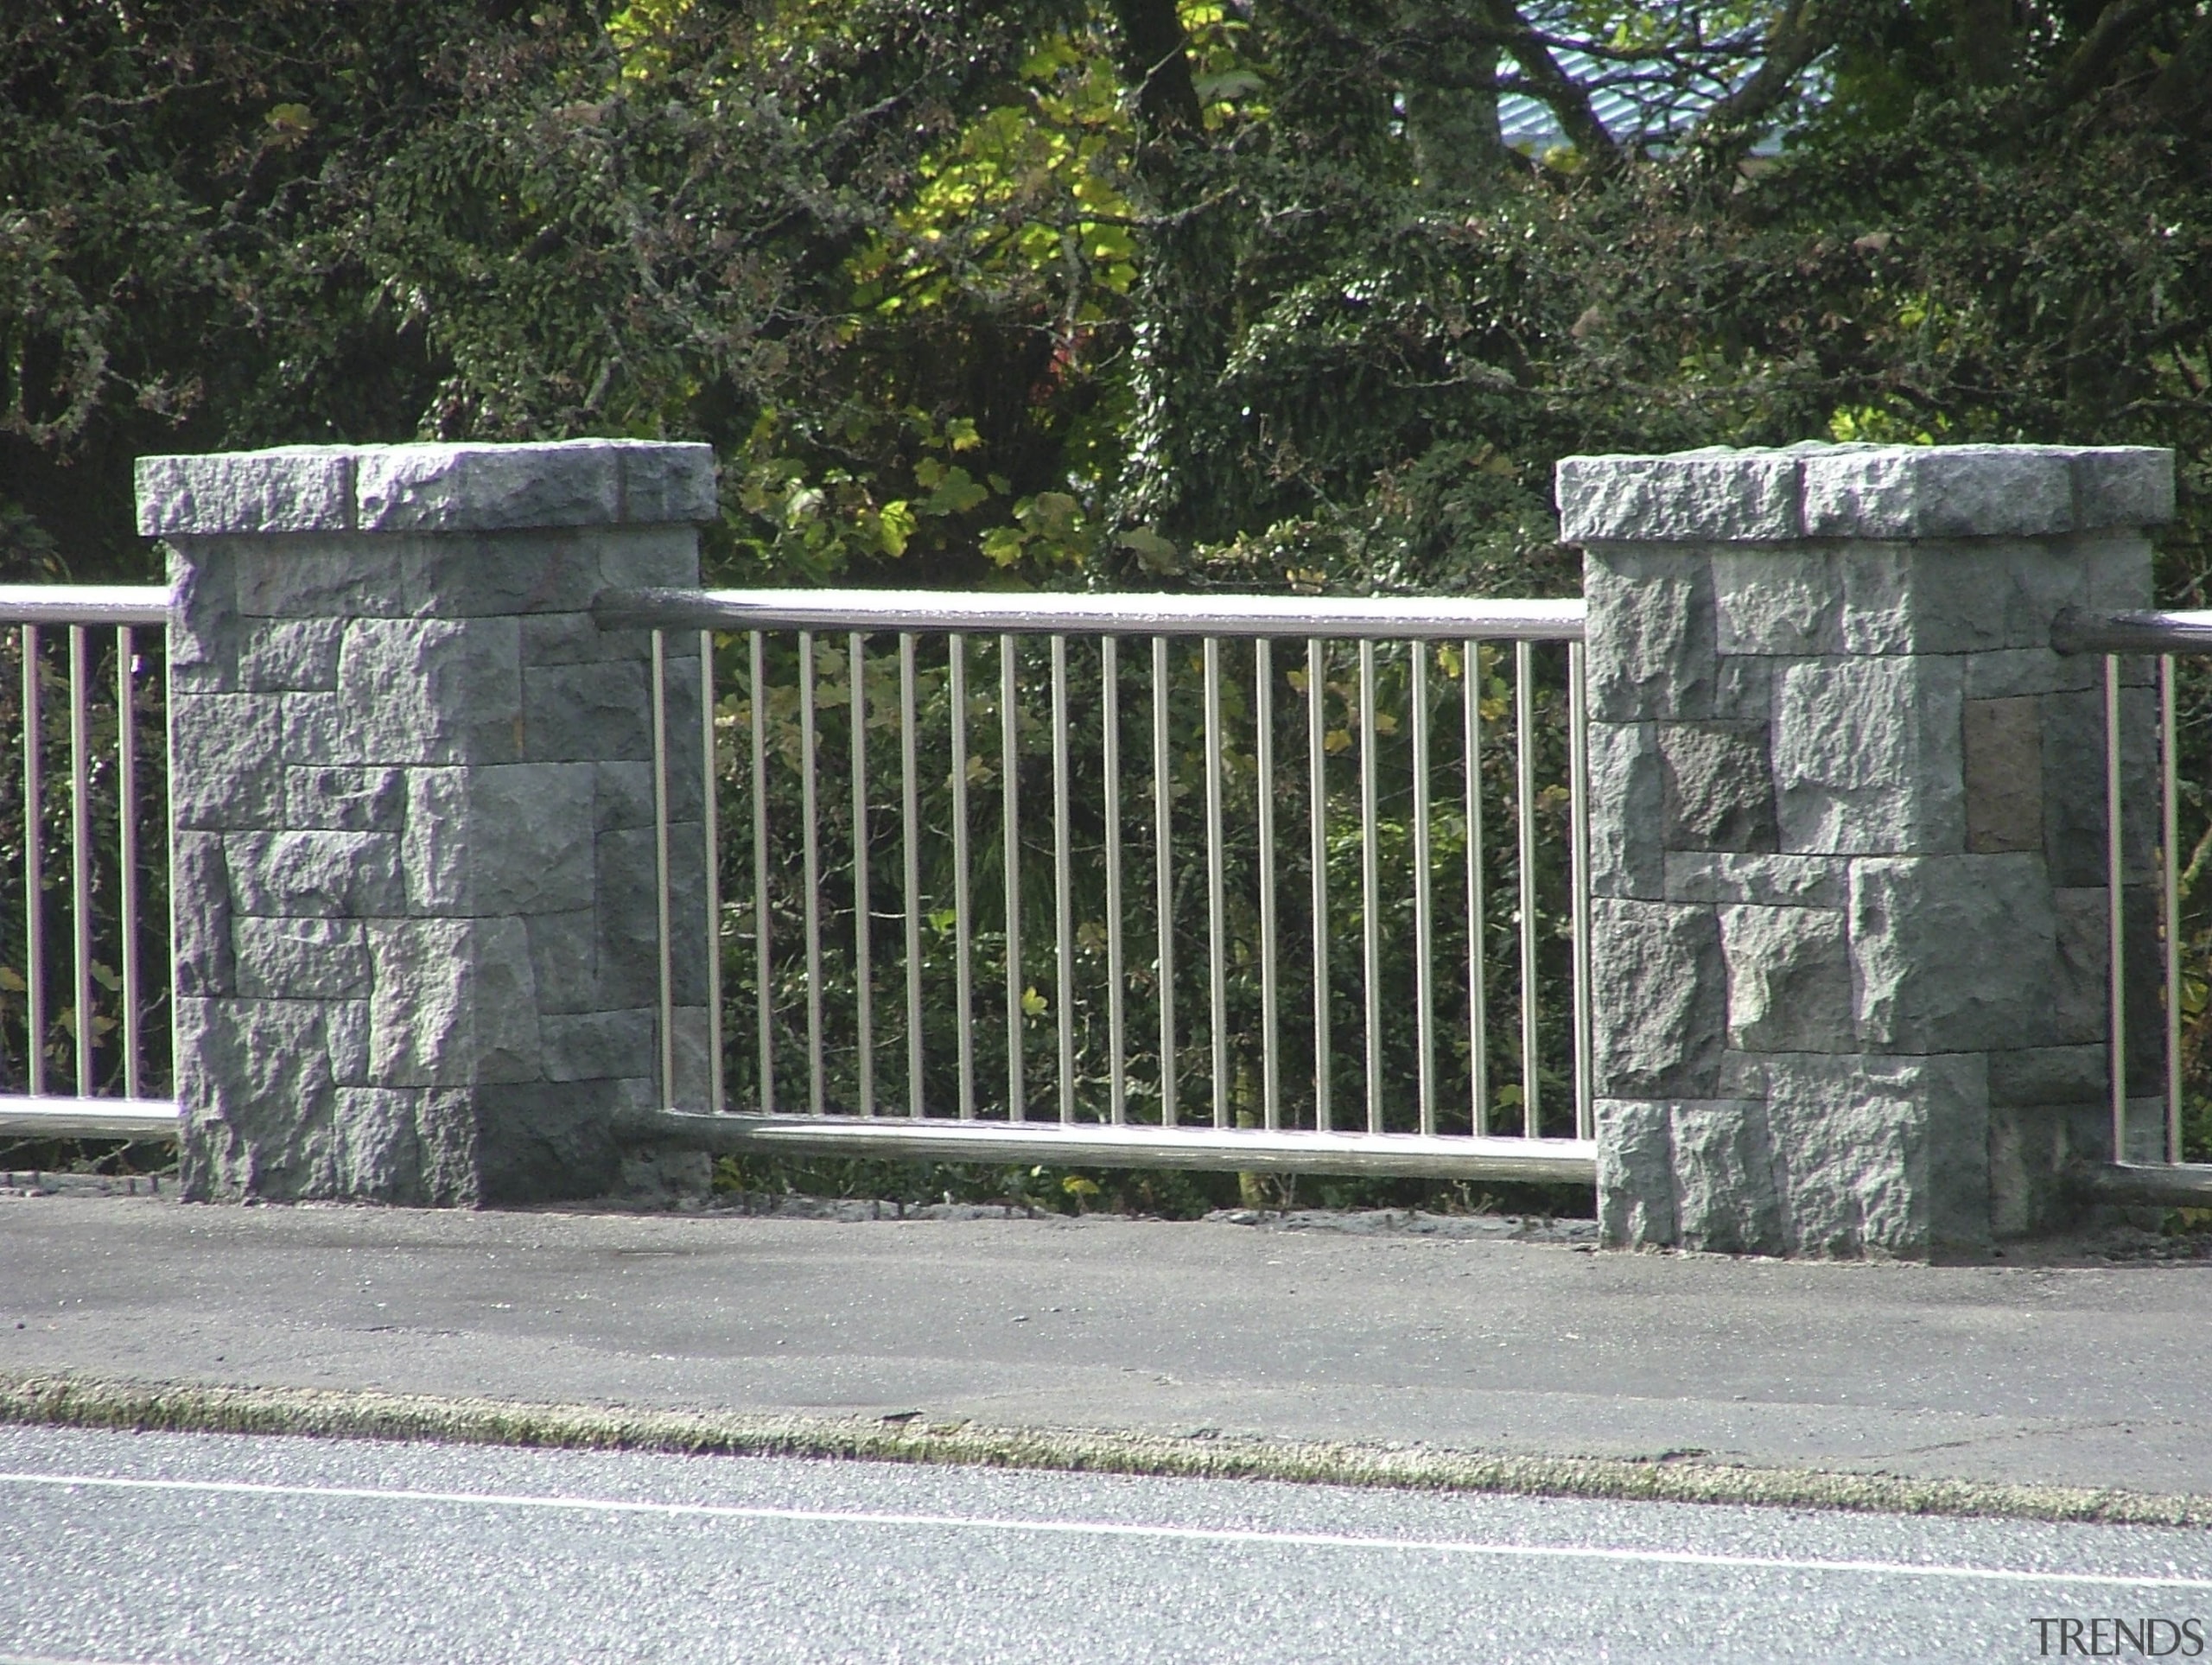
[[2118, 636], [1147, 1027], [79, 1065]]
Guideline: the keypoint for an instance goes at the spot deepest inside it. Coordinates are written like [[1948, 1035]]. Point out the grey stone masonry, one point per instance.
[[417, 950], [1848, 837]]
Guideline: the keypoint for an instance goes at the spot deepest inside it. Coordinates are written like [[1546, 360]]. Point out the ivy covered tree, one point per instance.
[[1054, 292]]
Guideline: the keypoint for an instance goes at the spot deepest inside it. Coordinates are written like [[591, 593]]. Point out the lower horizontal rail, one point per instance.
[[88, 1118], [2176, 1185], [1384, 1155]]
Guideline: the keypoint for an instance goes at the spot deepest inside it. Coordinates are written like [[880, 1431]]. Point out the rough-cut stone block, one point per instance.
[[627, 952], [2119, 567], [1951, 491], [470, 488], [645, 557], [253, 1079], [598, 1046], [431, 691], [290, 653], [564, 960], [1725, 1198], [664, 483], [1719, 793], [1766, 880], [204, 627], [2080, 966], [336, 575], [1951, 954], [499, 838], [1635, 1173], [1657, 969], [499, 575], [2030, 1152], [346, 1029], [2123, 486], [624, 794], [1788, 979], [1717, 496], [1969, 596], [1886, 1156], [296, 875], [577, 638], [690, 1086], [200, 894], [455, 1004], [1778, 602], [1866, 756], [1650, 650], [1627, 799], [225, 769], [301, 959], [2073, 783], [376, 1154], [1743, 688], [540, 1141], [2013, 672], [298, 488], [578, 712], [2004, 768], [342, 799], [2049, 1075]]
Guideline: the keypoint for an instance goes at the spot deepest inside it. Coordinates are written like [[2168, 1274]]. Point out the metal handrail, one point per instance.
[[1387, 1155], [60, 1117], [2076, 631], [1396, 618], [85, 604]]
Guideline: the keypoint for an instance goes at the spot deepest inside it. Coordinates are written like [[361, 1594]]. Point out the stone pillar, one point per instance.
[[1847, 827], [412, 801]]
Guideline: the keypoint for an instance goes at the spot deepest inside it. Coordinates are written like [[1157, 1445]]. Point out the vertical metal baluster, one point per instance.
[[80, 846], [1010, 764], [710, 816], [1370, 887], [863, 900], [808, 746], [1063, 881], [1578, 787], [34, 877], [126, 762], [2115, 899], [1117, 1037], [2169, 833], [1317, 805], [1524, 717], [911, 814], [1263, 753], [1216, 902], [1163, 808], [2115, 905], [963, 986], [1424, 898], [660, 870], [762, 967], [1477, 991]]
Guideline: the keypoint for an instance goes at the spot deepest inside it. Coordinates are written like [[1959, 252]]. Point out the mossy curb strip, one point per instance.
[[76, 1401]]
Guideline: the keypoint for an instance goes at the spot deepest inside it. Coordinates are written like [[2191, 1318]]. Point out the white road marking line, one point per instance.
[[1116, 1529]]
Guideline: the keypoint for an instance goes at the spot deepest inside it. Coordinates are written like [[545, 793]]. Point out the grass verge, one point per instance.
[[56, 1400]]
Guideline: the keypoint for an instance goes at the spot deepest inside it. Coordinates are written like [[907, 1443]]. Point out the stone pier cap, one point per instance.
[[427, 488], [1863, 491]]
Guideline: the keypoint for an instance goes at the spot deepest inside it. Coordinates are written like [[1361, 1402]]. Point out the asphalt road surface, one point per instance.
[[138, 1547]]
